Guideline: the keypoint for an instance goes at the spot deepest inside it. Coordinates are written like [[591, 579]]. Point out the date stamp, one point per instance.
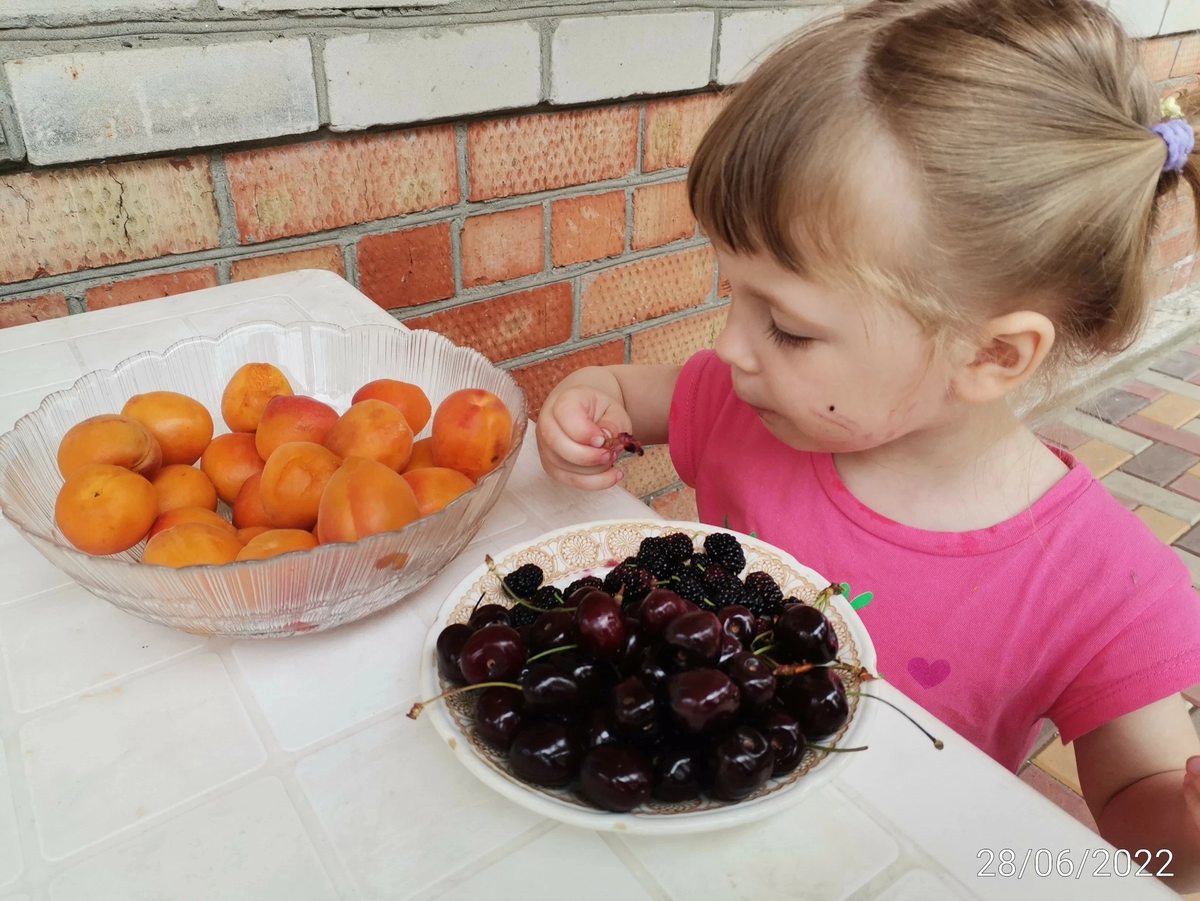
[[1007, 863]]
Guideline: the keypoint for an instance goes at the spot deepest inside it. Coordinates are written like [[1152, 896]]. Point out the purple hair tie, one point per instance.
[[1180, 139]]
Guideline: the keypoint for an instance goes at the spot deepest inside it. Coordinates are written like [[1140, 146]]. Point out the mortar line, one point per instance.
[[640, 162], [547, 237], [629, 192], [350, 262], [715, 60], [316, 50], [223, 194], [462, 152], [546, 28], [456, 261]]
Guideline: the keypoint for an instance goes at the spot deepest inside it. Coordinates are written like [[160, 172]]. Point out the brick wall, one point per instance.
[[507, 176]]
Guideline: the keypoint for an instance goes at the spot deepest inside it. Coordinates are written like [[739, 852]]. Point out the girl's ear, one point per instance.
[[1010, 349]]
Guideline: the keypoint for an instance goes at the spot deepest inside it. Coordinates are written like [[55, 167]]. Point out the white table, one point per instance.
[[141, 763]]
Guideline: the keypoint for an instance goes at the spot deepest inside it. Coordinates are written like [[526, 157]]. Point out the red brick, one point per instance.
[[1141, 389], [1188, 486], [1156, 431], [674, 129], [32, 309], [1173, 216], [676, 342], [678, 504], [650, 473], [1169, 251], [328, 257], [1183, 275], [311, 187], [1158, 56], [587, 228], [149, 287], [646, 289], [500, 246], [539, 379], [63, 220], [661, 214], [508, 326], [524, 154], [408, 267], [1187, 61]]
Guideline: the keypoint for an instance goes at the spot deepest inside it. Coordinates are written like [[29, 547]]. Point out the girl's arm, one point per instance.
[[597, 403], [1133, 772]]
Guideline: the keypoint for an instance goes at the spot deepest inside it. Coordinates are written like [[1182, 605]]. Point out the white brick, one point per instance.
[[1141, 18], [326, 4], [747, 38], [385, 78], [90, 105], [1182, 15], [600, 57], [84, 10]]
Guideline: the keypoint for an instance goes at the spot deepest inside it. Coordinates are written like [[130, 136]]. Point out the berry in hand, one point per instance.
[[525, 580], [726, 550], [742, 763], [616, 778], [493, 654], [547, 754]]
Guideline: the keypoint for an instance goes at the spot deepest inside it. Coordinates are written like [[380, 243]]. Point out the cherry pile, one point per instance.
[[670, 678]]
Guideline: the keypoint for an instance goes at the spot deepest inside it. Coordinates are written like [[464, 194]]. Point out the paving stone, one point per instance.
[[1193, 349], [1141, 389], [1100, 457], [1059, 761], [1160, 464], [1188, 486], [1180, 365], [1143, 492], [1190, 541], [1157, 431], [1109, 434], [1172, 410], [1192, 428], [1125, 502], [1114, 405], [1167, 528], [1172, 385], [1062, 435]]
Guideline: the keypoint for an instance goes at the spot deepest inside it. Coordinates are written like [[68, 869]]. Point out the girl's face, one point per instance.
[[823, 371]]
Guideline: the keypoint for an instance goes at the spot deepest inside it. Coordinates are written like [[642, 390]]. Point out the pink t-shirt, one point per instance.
[[1073, 611]]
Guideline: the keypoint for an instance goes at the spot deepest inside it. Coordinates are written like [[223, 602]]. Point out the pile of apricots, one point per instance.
[[294, 473]]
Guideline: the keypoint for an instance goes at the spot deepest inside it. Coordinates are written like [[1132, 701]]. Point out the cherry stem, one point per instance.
[[563, 647], [793, 669], [421, 705], [937, 742], [836, 750], [767, 636], [764, 649]]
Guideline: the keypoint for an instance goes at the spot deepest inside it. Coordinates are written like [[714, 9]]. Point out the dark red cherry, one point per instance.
[[552, 629], [738, 621], [742, 763], [636, 640], [546, 753], [817, 699], [755, 680], [450, 643], [599, 730], [659, 607], [803, 634], [730, 647], [695, 638], [703, 698], [489, 615], [632, 707], [499, 715], [654, 669], [681, 774], [599, 624], [615, 777], [782, 730], [548, 689], [594, 677], [493, 654]]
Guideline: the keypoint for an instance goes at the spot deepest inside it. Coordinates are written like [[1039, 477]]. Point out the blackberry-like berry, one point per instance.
[[715, 574], [700, 562], [654, 555], [525, 580], [689, 587], [547, 598], [679, 547], [726, 550], [727, 592], [519, 615], [767, 590], [586, 583], [636, 582]]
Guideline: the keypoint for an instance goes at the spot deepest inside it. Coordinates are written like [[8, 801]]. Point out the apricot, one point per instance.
[[435, 487], [179, 423], [247, 507], [472, 432], [364, 497], [375, 430], [405, 397], [292, 483], [292, 418], [108, 438], [277, 541], [229, 460], [246, 535], [192, 544], [180, 515], [183, 485], [422, 456], [248, 392], [105, 509]]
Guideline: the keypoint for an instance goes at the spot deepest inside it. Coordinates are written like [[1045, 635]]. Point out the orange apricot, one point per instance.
[[472, 432], [181, 425], [105, 509], [246, 535], [435, 487], [375, 430], [422, 456], [364, 497], [292, 418], [248, 392], [405, 397], [229, 460], [180, 515], [183, 485], [191, 544], [247, 507], [292, 483], [112, 439], [277, 541]]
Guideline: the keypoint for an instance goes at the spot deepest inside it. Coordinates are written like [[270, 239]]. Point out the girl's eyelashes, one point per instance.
[[786, 339]]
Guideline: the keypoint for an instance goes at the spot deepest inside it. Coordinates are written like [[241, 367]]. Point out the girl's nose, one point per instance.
[[733, 345]]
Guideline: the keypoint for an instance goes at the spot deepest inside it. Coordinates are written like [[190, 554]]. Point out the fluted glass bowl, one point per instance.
[[298, 592]]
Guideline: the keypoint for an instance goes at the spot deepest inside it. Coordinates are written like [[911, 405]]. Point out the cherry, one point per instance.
[[547, 754], [703, 698], [499, 715], [783, 732], [755, 680], [681, 775], [817, 699], [552, 629], [547, 689], [599, 624], [633, 706], [636, 640], [762, 625], [450, 643], [594, 678], [730, 647], [804, 635], [493, 654], [695, 638], [659, 607], [489, 615], [738, 621], [615, 777], [742, 763], [654, 669], [599, 730]]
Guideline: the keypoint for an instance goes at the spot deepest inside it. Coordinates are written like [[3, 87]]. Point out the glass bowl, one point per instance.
[[297, 592]]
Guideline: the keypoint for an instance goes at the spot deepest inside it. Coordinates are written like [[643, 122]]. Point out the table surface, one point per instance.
[[142, 763]]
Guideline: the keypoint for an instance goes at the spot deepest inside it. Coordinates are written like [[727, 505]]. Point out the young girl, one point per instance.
[[923, 208]]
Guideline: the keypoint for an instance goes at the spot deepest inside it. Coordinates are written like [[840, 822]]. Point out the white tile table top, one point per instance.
[[141, 763]]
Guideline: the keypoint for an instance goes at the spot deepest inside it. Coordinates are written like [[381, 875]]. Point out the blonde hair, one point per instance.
[[1022, 129]]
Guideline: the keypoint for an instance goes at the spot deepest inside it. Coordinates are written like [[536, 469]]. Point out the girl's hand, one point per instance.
[[1191, 790], [573, 431]]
